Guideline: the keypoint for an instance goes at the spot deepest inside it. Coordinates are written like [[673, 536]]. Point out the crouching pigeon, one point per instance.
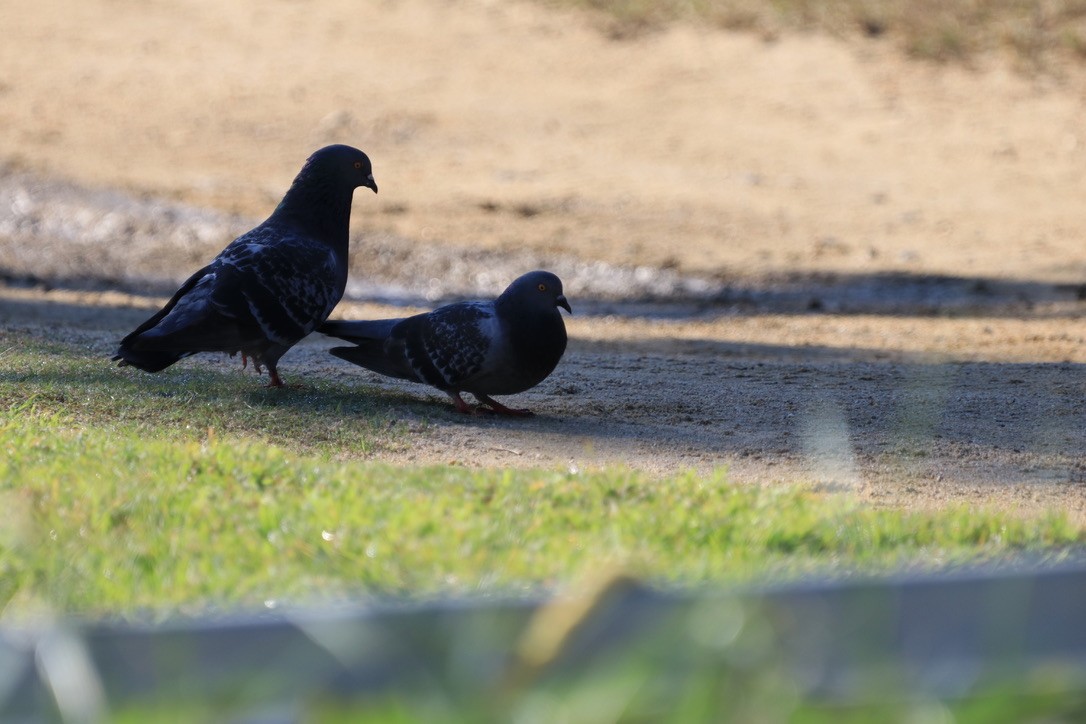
[[271, 286], [500, 347]]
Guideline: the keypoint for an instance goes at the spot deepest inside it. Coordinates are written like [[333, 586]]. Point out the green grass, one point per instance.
[[194, 404], [714, 696], [122, 492], [1033, 33], [127, 494], [112, 521], [631, 691]]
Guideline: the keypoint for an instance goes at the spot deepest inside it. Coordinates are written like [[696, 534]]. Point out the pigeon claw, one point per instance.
[[276, 380], [462, 406], [245, 362], [498, 408], [489, 406]]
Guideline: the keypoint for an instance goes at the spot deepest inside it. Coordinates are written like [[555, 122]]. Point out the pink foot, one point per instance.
[[500, 409], [462, 406]]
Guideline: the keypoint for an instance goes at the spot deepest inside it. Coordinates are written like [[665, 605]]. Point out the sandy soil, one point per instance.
[[803, 260]]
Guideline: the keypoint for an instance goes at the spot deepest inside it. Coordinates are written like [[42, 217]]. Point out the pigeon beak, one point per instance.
[[561, 302], [370, 183]]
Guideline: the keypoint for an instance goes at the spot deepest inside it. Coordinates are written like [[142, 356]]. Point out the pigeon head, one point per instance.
[[537, 290], [319, 200], [341, 165]]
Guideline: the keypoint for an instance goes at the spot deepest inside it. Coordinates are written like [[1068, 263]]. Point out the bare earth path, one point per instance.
[[802, 260]]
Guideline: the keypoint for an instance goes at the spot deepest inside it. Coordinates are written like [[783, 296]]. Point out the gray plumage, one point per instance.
[[271, 286], [500, 347]]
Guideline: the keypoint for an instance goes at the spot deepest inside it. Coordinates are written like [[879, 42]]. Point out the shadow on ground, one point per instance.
[[884, 421]]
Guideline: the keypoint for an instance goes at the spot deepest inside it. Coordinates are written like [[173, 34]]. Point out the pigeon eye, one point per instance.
[[542, 287], [358, 164]]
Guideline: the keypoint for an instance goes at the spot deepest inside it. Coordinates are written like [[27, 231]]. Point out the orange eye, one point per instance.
[[542, 287], [358, 164]]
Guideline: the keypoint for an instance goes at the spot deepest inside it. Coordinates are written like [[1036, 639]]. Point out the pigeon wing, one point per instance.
[[286, 283], [253, 293], [449, 345]]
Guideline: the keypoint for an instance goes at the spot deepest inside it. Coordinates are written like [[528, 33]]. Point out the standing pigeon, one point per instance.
[[499, 347], [269, 287]]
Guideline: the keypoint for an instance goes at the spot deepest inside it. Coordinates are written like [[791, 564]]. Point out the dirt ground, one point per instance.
[[803, 260]]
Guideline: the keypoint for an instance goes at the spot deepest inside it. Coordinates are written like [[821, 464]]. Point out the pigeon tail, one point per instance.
[[371, 355], [370, 330], [370, 337], [148, 360]]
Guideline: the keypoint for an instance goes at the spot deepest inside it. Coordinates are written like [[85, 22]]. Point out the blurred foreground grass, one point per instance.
[[1033, 32], [121, 493], [714, 687]]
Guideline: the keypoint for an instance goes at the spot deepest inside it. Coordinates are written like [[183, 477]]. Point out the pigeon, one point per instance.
[[500, 347], [271, 286]]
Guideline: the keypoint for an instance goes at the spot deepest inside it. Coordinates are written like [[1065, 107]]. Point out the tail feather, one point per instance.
[[375, 347], [150, 360], [373, 356], [375, 330], [157, 348]]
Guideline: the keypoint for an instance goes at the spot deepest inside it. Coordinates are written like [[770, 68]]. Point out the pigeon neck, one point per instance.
[[530, 320], [504, 305], [537, 337], [322, 209]]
